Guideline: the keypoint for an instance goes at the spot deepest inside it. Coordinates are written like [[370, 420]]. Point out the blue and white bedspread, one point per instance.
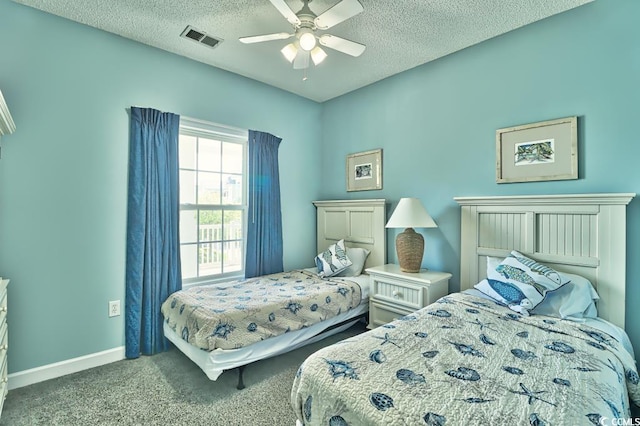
[[467, 361], [235, 314]]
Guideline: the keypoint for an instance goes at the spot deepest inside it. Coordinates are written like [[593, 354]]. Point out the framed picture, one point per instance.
[[364, 170], [536, 152]]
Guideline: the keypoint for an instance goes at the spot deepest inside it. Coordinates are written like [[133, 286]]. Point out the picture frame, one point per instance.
[[364, 170], [543, 151]]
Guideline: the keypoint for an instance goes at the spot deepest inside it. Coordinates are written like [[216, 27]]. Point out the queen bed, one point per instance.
[[226, 325], [520, 344]]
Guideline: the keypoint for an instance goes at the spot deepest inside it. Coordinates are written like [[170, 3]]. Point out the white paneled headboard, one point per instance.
[[359, 222], [584, 234]]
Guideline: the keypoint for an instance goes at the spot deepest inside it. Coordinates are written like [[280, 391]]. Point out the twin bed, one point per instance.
[[471, 359], [227, 325], [474, 357]]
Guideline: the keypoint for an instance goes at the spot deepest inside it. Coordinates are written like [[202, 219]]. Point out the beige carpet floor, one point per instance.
[[164, 389]]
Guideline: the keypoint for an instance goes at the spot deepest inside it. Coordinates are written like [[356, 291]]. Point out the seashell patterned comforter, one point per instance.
[[465, 360], [235, 314]]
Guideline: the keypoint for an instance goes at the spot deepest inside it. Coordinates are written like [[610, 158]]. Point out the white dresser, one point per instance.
[[395, 294], [4, 339]]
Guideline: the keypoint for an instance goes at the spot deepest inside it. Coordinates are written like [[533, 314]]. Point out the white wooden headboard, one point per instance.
[[583, 234], [359, 222]]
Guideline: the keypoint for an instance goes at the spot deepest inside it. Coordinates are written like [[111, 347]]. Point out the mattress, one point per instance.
[[234, 314], [215, 362], [466, 360]]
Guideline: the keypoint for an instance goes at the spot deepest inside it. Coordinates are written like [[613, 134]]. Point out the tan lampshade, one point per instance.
[[409, 214]]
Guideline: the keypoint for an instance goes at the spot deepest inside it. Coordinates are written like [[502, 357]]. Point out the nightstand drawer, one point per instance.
[[398, 292], [3, 308], [381, 313], [4, 385], [395, 293], [4, 340]]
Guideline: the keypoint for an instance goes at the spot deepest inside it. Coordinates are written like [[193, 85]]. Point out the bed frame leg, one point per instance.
[[240, 382]]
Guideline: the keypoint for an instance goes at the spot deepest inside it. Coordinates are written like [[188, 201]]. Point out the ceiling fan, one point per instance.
[[305, 24]]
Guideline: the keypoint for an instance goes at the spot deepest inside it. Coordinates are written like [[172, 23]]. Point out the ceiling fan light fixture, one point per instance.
[[289, 51], [318, 55], [306, 47], [307, 40]]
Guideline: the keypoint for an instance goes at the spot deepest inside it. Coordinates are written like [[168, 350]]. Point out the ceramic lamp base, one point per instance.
[[410, 248]]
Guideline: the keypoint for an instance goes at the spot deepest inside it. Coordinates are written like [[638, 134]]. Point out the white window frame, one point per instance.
[[205, 129]]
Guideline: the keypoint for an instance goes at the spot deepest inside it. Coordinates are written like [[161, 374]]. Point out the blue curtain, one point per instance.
[[153, 250], [264, 231]]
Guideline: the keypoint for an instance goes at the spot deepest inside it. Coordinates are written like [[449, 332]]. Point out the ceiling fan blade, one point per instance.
[[302, 60], [338, 13], [266, 37], [342, 45], [286, 11]]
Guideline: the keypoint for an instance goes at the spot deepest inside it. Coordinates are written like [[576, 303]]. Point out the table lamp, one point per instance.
[[409, 214]]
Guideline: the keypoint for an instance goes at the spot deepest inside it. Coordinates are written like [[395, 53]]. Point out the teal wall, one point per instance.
[[63, 173], [437, 123]]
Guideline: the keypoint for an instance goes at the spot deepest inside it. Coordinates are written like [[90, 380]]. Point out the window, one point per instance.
[[212, 200]]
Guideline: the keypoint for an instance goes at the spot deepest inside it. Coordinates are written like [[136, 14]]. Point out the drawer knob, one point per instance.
[[396, 294], [3, 309]]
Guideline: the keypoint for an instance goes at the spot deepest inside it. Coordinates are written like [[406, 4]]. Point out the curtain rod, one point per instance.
[[224, 126]]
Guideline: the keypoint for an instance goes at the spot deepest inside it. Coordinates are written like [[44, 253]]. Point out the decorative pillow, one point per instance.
[[333, 260], [358, 256], [519, 282], [574, 300]]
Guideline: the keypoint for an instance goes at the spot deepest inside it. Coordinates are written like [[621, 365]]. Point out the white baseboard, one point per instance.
[[62, 368]]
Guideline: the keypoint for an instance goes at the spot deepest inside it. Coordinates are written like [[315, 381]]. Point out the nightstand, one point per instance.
[[394, 294]]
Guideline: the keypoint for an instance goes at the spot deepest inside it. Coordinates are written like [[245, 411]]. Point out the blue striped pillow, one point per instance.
[[520, 282]]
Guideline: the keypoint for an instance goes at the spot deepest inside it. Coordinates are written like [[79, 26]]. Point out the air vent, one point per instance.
[[200, 37]]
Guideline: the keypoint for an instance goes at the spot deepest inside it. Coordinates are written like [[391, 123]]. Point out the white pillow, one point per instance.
[[574, 300], [333, 260], [519, 282], [358, 256]]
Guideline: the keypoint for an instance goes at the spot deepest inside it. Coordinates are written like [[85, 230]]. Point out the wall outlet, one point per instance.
[[114, 308]]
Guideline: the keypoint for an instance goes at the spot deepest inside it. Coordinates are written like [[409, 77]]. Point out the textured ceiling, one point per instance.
[[399, 35]]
